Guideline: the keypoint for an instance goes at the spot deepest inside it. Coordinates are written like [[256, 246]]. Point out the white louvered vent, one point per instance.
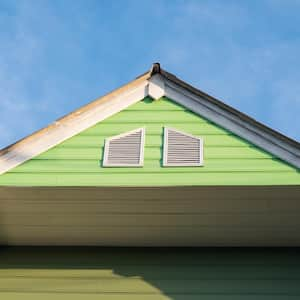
[[182, 149], [125, 150]]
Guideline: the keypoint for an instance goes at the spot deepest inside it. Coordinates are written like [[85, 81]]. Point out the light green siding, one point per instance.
[[149, 274], [228, 159]]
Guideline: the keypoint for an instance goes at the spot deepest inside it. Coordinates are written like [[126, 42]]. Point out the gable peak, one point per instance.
[[155, 83], [155, 68]]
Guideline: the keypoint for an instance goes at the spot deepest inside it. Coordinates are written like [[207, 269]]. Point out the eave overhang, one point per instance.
[[151, 216]]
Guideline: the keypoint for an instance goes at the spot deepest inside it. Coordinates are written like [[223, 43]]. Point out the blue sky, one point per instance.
[[58, 55]]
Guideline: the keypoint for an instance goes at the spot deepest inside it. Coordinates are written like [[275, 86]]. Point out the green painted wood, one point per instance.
[[155, 128], [116, 296], [150, 166], [151, 274], [150, 179], [228, 159], [87, 141], [63, 153]]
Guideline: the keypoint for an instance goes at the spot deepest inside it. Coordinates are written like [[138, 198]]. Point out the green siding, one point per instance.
[[149, 274], [228, 159]]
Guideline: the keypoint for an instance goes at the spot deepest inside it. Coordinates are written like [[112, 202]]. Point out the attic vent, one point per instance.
[[125, 150], [181, 149]]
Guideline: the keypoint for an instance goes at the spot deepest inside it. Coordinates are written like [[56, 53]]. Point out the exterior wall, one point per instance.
[[149, 274], [228, 159]]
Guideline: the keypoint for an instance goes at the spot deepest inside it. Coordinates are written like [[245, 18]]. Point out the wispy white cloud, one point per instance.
[[231, 51], [18, 52], [55, 56], [32, 94]]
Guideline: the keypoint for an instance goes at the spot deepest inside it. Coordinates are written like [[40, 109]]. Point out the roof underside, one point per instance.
[[151, 216]]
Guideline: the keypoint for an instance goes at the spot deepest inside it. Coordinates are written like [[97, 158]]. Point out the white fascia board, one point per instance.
[[229, 121], [61, 131], [156, 87]]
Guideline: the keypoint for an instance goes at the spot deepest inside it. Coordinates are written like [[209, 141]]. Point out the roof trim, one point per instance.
[[226, 116], [221, 104], [154, 83], [73, 123]]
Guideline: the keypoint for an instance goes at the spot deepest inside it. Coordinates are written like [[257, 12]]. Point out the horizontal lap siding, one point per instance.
[[228, 159], [150, 166], [153, 274]]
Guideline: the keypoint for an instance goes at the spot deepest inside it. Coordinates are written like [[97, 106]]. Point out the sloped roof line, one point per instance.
[[73, 123], [154, 83], [226, 116], [223, 105]]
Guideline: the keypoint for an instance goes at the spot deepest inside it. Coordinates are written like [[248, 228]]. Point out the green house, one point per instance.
[[154, 191]]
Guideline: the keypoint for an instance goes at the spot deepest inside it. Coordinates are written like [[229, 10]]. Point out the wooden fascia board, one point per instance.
[[230, 109], [155, 83], [257, 135], [73, 123]]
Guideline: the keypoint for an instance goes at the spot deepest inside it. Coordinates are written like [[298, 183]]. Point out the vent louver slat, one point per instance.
[[125, 150], [181, 149]]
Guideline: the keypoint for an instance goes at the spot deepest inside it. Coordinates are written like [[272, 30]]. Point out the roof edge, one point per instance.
[[155, 83], [225, 106], [228, 117], [73, 123], [78, 111]]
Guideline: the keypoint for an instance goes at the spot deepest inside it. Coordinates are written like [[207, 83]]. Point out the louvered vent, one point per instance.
[[181, 149], [125, 150]]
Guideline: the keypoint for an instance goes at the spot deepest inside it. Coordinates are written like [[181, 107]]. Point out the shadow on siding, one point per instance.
[[149, 273]]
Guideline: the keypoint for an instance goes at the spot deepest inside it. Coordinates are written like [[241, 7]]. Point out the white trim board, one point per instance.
[[154, 84], [232, 123], [65, 130]]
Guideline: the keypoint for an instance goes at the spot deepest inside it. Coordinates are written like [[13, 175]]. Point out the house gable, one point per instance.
[[155, 83], [228, 159]]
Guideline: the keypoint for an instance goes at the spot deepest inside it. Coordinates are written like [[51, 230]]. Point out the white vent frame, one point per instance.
[[200, 163], [106, 163]]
